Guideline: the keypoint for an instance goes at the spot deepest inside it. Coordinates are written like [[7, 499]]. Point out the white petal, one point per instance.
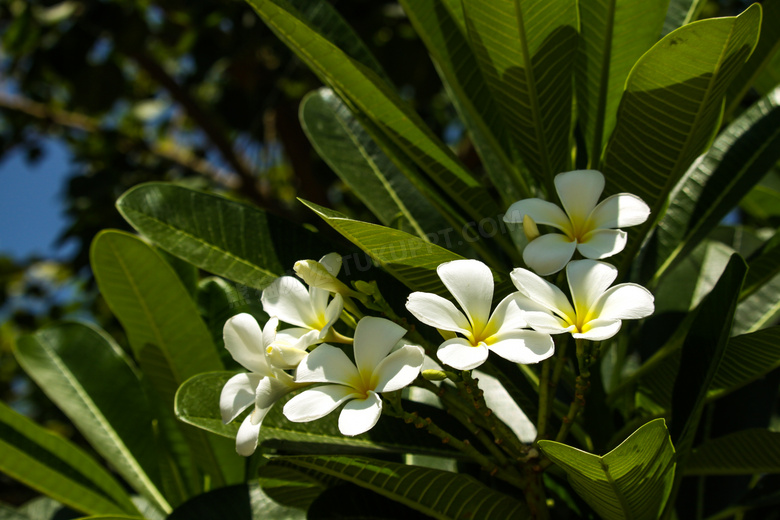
[[579, 191], [524, 346], [506, 316], [288, 299], [237, 395], [599, 330], [246, 438], [618, 211], [627, 301], [399, 368], [332, 314], [602, 243], [327, 364], [438, 312], [268, 392], [542, 292], [549, 253], [471, 283], [374, 339], [547, 323], [360, 415], [588, 279], [244, 340], [459, 353], [332, 262], [316, 402], [269, 331], [541, 211]]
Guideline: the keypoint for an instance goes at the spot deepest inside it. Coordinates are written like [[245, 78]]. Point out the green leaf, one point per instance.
[[343, 143], [445, 495], [741, 453], [613, 36], [632, 481], [411, 260], [87, 376], [738, 159], [51, 465], [372, 97], [747, 358], [288, 486], [223, 237], [162, 324], [197, 403], [760, 309], [671, 107], [441, 26], [526, 51], [681, 12]]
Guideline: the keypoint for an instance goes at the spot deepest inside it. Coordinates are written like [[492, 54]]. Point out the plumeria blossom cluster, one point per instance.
[[281, 361], [518, 328]]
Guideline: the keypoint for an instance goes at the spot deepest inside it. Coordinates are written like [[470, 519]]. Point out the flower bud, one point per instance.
[[529, 228], [434, 375], [316, 275]]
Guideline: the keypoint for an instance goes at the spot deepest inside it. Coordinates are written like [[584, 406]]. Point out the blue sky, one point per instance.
[[31, 203]]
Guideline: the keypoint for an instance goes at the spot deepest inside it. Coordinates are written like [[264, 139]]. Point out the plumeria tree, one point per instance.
[[555, 332]]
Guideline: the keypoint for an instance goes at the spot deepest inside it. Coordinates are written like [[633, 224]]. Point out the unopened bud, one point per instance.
[[434, 375], [316, 275], [529, 228]]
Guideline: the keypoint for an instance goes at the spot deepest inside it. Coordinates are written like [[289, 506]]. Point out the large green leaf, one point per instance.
[[526, 51], [747, 358], [221, 236], [631, 481], [442, 27], [87, 376], [239, 502], [343, 143], [741, 453], [197, 403], [376, 100], [444, 495], [737, 160], [52, 465], [613, 35], [165, 331], [411, 260], [763, 266], [760, 309], [671, 107]]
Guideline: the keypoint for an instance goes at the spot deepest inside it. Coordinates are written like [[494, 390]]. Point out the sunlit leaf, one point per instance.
[[671, 108], [85, 373], [51, 465]]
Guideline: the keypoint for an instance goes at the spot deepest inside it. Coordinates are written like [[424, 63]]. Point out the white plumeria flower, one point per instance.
[[598, 309], [471, 283], [376, 370], [290, 301], [262, 386], [587, 227]]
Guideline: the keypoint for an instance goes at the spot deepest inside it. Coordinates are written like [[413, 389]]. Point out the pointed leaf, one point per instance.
[[411, 260], [348, 149], [747, 358], [763, 266], [86, 375], [681, 12], [613, 35], [218, 235], [746, 452], [441, 26], [52, 465], [631, 481], [526, 51], [376, 100], [738, 159], [445, 495], [671, 108]]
